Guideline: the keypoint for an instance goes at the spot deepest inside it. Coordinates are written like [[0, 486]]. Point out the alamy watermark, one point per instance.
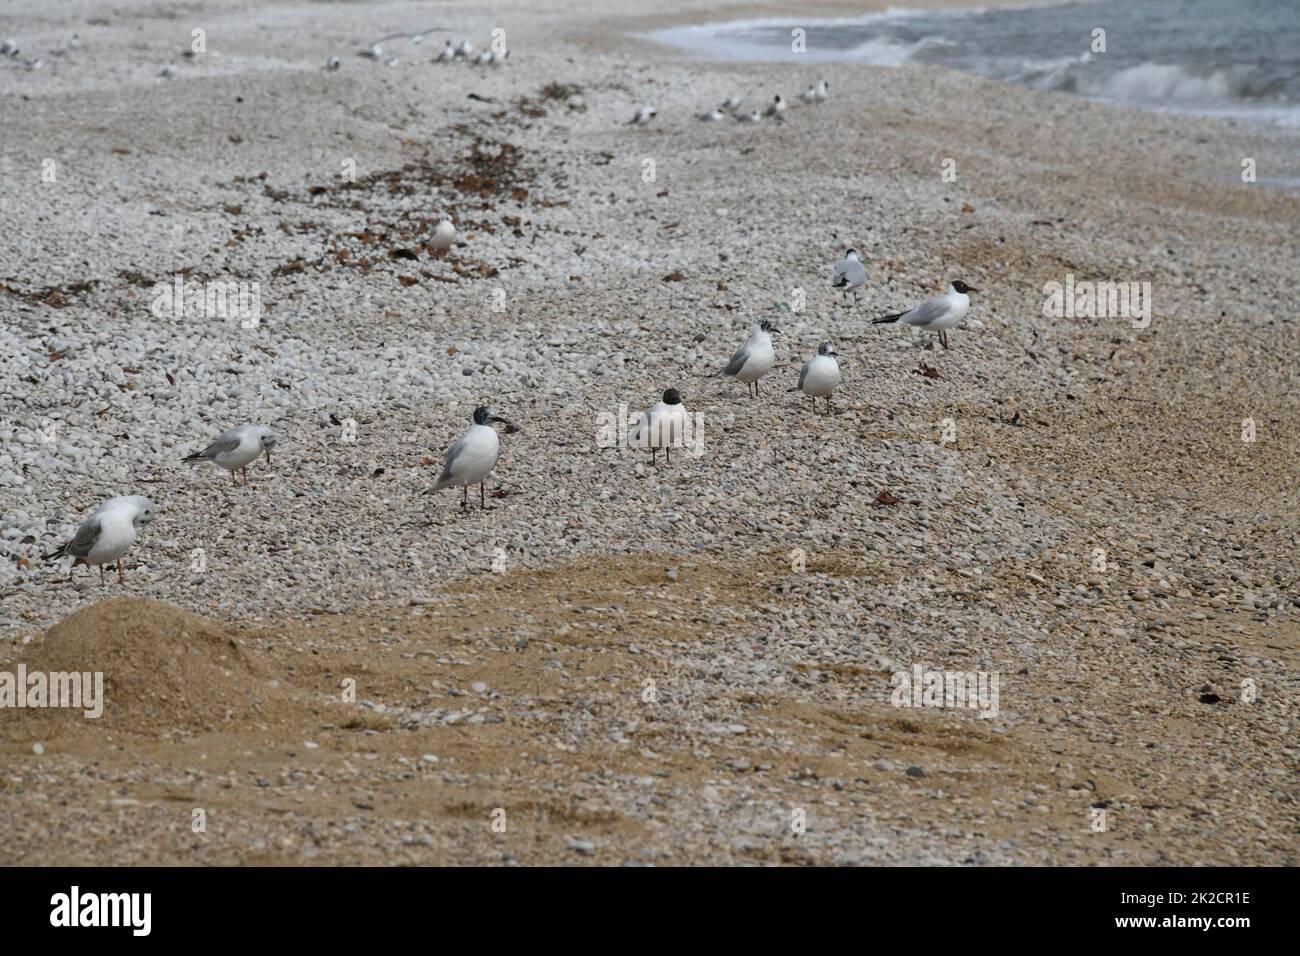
[[208, 300], [974, 690], [83, 691], [1098, 300]]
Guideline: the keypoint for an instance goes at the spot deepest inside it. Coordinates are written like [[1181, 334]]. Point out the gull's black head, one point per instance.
[[671, 397], [851, 252], [484, 416], [826, 349], [767, 326], [962, 287]]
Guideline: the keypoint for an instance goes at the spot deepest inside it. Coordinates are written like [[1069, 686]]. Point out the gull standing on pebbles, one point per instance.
[[642, 116], [107, 534], [819, 376], [753, 116], [755, 358], [809, 95], [237, 448], [849, 275], [446, 54], [730, 104], [472, 456], [776, 107], [710, 116], [465, 49], [333, 63], [444, 235], [662, 427], [939, 314]]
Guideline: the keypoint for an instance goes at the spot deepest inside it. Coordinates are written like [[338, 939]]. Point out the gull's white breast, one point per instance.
[[760, 361], [250, 446], [477, 457], [663, 426], [823, 375], [116, 534]]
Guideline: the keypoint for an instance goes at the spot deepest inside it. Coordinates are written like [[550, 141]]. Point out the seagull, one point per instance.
[[472, 457], [644, 115], [939, 314], [446, 54], [9, 48], [662, 427], [849, 275], [730, 104], [753, 116], [823, 91], [333, 63], [465, 49], [372, 52], [809, 95], [107, 533], [776, 107], [483, 59], [237, 448], [819, 376], [753, 359], [444, 235], [710, 116]]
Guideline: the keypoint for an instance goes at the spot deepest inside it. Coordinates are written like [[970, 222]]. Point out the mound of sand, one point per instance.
[[163, 670]]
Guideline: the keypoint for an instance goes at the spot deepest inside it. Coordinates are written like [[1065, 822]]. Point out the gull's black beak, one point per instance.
[[971, 289]]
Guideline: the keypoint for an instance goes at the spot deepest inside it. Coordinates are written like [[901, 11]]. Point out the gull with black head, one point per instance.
[[472, 456]]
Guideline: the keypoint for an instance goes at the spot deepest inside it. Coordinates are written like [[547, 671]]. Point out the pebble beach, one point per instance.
[[634, 663]]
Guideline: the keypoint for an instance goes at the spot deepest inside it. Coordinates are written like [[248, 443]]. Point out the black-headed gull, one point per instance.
[[642, 116], [776, 107], [849, 275], [237, 448], [472, 456], [937, 315], [755, 358], [664, 426], [819, 376], [107, 533]]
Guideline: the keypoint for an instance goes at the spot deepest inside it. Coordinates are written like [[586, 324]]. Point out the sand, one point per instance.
[[1123, 690]]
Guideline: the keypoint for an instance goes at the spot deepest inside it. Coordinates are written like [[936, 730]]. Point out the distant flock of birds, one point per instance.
[[108, 532], [731, 106], [450, 53]]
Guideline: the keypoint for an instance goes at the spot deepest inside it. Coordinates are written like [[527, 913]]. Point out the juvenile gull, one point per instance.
[[472, 456], [107, 533], [755, 358], [939, 314], [819, 376], [849, 275], [662, 427], [237, 448]]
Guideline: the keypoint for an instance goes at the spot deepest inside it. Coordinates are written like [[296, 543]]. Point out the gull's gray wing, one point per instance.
[[737, 361], [85, 538], [453, 453], [926, 313], [803, 372], [228, 442], [848, 272]]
